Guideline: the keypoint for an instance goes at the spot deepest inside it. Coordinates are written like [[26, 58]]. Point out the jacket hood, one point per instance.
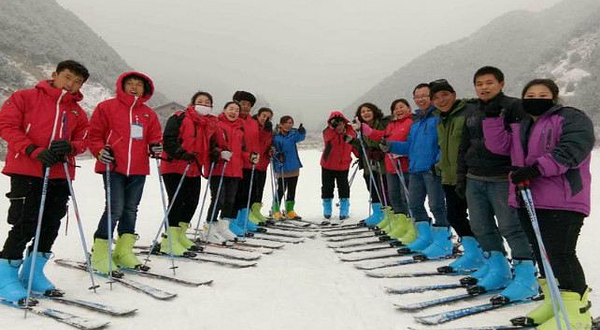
[[128, 99], [48, 89], [334, 114]]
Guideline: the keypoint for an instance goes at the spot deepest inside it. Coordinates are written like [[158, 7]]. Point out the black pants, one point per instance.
[[185, 204], [328, 181], [374, 192], [25, 196], [260, 178], [290, 187], [225, 202], [456, 209], [560, 230], [241, 197]]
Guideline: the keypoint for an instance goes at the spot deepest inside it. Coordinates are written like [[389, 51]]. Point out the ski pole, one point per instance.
[[109, 226], [283, 189], [36, 241], [80, 227], [403, 182], [212, 166], [165, 222], [352, 176], [274, 185], [557, 302], [249, 198], [216, 201], [364, 150], [383, 193]]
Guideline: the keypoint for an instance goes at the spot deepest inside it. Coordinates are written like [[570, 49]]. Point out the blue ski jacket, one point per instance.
[[285, 145]]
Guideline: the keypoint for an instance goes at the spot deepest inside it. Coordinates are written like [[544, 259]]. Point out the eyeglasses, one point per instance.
[[420, 97]]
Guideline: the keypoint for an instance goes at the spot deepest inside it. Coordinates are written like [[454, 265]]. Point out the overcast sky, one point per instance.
[[303, 56]]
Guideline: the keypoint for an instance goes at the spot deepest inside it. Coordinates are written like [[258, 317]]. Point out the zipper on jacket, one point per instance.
[[62, 93], [130, 138]]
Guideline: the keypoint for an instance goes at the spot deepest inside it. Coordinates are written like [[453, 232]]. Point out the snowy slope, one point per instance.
[[303, 286]]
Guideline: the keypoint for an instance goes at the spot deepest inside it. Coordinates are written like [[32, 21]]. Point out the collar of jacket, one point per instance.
[[129, 99], [46, 87]]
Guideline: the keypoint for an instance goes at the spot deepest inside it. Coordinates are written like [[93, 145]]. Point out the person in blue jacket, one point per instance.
[[423, 153], [287, 166]]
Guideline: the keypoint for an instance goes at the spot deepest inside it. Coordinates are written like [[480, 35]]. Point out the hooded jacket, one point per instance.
[[397, 129], [37, 116], [111, 125], [559, 143], [229, 136], [336, 153], [286, 145], [251, 137]]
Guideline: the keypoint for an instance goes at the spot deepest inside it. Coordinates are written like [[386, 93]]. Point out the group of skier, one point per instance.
[[474, 159], [45, 129]]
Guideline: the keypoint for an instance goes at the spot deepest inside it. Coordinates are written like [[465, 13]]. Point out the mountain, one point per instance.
[[561, 42], [36, 35]]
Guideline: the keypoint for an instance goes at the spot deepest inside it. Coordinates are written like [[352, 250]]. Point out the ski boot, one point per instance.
[[123, 255], [212, 236], [375, 217], [276, 214], [326, 208], [405, 232], [498, 275], [225, 228], [175, 248], [440, 247], [290, 214], [184, 240], [523, 286], [100, 258], [255, 215], [242, 222], [11, 288], [471, 259], [424, 239], [542, 313], [40, 283], [385, 225], [344, 208], [478, 275], [577, 308]]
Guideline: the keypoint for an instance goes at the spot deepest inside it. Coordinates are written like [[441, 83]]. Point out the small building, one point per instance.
[[166, 110]]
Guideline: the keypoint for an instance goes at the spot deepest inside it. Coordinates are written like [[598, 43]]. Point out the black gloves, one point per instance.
[[384, 145], [155, 150], [60, 147], [48, 158], [335, 121], [301, 129], [523, 174], [181, 154], [106, 155], [268, 126], [492, 109]]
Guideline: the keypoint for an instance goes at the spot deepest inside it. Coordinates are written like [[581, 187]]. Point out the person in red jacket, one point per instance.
[[123, 132], [335, 163], [186, 141], [265, 140], [44, 127], [228, 154]]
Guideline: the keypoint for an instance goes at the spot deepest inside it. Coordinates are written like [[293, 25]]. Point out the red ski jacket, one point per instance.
[[336, 152], [265, 143], [395, 130], [229, 136], [251, 137], [188, 132], [128, 126], [37, 116]]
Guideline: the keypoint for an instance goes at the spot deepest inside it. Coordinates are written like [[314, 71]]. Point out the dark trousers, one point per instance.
[[241, 197], [560, 230], [126, 194], [260, 179], [456, 211], [328, 180], [376, 191], [225, 206], [290, 188], [185, 204], [25, 196]]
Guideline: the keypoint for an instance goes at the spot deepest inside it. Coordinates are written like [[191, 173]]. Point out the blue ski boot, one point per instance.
[[234, 228], [40, 283], [481, 272], [440, 247], [498, 276], [424, 239], [10, 288], [471, 260], [344, 208], [242, 220], [375, 217], [523, 286], [327, 208]]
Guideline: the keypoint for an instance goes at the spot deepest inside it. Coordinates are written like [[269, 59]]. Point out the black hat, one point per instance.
[[244, 96], [439, 85]]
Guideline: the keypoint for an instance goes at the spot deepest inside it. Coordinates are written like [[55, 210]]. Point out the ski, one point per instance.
[[362, 256], [134, 285], [91, 305], [595, 326], [399, 263], [289, 235], [418, 289], [339, 227], [277, 239], [300, 222], [73, 320], [384, 274], [206, 258], [456, 314], [355, 243], [250, 242], [226, 253], [372, 247], [439, 301], [348, 238], [291, 228], [345, 233]]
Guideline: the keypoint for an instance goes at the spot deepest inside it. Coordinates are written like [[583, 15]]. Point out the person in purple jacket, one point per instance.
[[551, 151]]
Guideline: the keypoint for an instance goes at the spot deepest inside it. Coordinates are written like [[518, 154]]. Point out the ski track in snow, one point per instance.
[[302, 286]]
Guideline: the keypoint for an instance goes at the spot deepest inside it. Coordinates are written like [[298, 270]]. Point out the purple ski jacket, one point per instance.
[[559, 143]]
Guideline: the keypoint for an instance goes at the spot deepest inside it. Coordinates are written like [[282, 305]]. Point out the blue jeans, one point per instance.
[[427, 184], [396, 193], [126, 193], [486, 200]]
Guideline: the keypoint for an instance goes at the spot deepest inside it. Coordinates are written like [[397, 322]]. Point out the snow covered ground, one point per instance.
[[303, 286]]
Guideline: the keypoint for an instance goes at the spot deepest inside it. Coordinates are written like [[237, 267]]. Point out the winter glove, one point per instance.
[[181, 154], [271, 151], [301, 129], [348, 138], [155, 150], [48, 158], [335, 121], [384, 145], [214, 155], [375, 154], [254, 158], [60, 147], [268, 126], [492, 110], [461, 189], [280, 157], [226, 155], [523, 174], [106, 155], [356, 124]]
